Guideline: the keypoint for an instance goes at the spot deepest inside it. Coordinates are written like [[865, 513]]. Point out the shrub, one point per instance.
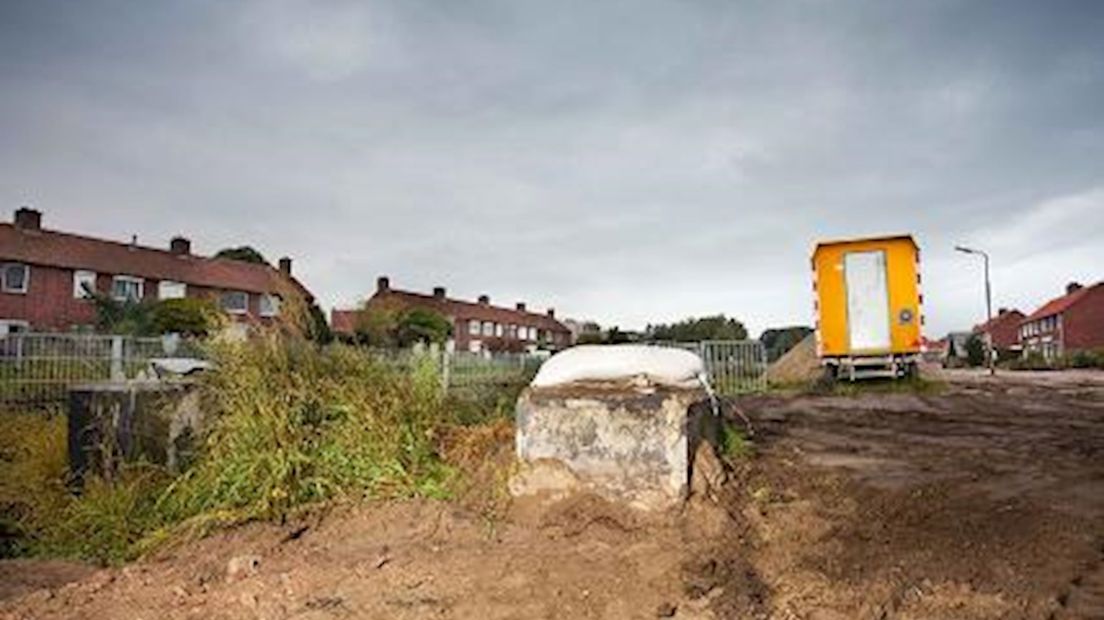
[[975, 350], [187, 315], [33, 465]]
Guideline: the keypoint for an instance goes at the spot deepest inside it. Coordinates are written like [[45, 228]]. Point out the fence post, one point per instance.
[[117, 373], [445, 361]]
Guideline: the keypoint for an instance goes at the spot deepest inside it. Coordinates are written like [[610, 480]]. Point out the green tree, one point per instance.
[[717, 327], [975, 350], [243, 253], [422, 325], [317, 328]]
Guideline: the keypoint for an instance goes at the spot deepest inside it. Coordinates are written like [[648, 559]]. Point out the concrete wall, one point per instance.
[[626, 442]]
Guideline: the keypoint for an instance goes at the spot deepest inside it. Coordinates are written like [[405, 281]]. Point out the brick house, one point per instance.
[[476, 326], [1004, 329], [45, 276], [1071, 323]]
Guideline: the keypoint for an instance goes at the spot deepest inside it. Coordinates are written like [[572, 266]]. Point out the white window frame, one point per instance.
[[473, 327], [80, 278], [4, 278], [132, 280], [222, 302], [272, 302], [499, 330], [488, 328], [7, 324], [168, 285]]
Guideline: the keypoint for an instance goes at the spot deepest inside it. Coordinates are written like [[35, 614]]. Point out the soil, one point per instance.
[[984, 500]]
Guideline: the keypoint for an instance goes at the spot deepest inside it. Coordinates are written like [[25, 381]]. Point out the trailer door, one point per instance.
[[867, 300]]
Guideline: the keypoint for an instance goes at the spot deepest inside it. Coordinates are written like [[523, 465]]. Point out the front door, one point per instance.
[[867, 300]]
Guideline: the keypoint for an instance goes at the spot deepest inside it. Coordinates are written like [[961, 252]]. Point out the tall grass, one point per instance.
[[288, 425], [293, 425]]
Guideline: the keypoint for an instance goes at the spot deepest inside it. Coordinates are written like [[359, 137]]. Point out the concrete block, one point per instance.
[[628, 441]]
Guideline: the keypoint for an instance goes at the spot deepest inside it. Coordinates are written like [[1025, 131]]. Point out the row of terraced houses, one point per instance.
[[47, 278], [1063, 326]]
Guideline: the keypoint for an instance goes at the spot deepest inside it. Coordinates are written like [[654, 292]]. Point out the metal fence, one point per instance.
[[462, 370], [734, 366], [40, 368]]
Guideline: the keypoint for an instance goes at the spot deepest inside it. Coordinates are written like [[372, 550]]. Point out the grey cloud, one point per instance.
[[626, 161]]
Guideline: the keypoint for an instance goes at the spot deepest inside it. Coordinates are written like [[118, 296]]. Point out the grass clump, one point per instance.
[[33, 465], [735, 444], [288, 425], [293, 424]]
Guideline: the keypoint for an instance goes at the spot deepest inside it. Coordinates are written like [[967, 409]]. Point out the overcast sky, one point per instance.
[[628, 162]]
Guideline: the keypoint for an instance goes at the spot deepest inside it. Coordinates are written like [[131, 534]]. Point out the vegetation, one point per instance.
[[735, 444], [397, 327], [1078, 359], [718, 327], [243, 253], [975, 350], [189, 316], [289, 425]]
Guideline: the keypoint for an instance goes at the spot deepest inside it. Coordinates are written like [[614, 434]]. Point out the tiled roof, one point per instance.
[[68, 251], [345, 320], [1012, 317], [1061, 304]]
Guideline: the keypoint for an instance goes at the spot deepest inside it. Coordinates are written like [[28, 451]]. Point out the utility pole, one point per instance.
[[988, 308]]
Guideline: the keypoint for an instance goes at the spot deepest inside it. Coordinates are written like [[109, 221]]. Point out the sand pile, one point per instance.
[[798, 365]]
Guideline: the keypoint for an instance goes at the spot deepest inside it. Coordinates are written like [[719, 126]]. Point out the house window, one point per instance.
[[13, 327], [14, 278], [473, 327], [488, 328], [127, 288], [269, 305], [499, 329], [511, 331], [167, 289], [84, 284], [234, 302]]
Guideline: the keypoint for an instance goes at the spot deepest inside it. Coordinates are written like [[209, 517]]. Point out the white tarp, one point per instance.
[[676, 367]]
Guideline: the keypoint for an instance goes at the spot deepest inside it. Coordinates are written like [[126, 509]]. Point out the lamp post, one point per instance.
[[988, 307]]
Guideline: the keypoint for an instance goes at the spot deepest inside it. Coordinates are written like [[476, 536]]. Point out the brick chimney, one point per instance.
[[383, 284], [285, 265], [1002, 311], [551, 313], [180, 246], [1073, 287], [27, 218], [521, 306], [484, 300], [438, 292]]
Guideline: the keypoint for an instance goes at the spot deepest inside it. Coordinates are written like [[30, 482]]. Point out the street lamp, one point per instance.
[[988, 307]]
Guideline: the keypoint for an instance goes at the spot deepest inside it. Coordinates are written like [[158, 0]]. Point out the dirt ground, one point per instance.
[[981, 500]]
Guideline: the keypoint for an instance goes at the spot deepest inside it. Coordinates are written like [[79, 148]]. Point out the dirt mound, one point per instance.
[[799, 365], [981, 502]]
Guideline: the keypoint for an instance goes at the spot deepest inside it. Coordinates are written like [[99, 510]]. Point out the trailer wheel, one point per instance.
[[828, 377]]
